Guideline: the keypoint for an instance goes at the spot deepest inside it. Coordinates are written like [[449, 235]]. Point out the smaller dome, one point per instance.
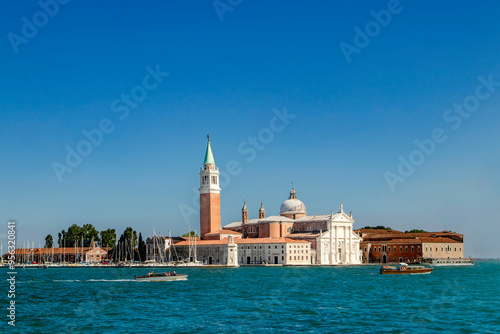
[[292, 204]]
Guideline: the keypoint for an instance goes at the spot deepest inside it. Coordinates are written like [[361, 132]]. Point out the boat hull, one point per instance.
[[161, 278], [405, 272]]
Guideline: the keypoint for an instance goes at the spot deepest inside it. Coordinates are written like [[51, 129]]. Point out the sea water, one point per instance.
[[256, 299]]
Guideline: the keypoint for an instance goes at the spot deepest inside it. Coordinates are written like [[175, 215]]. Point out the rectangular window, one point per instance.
[[418, 248]]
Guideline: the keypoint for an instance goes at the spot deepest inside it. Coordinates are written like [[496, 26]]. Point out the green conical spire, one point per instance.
[[209, 157]]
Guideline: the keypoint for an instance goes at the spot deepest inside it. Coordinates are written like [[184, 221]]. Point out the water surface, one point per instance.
[[257, 299]]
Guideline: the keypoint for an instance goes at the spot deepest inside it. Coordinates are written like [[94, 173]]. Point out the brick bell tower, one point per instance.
[[209, 194]]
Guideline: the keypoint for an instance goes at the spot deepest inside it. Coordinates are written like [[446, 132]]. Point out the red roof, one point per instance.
[[224, 232], [203, 242], [269, 241]]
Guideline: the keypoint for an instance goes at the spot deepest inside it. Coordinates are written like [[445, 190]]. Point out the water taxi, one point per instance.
[[404, 268], [159, 277]]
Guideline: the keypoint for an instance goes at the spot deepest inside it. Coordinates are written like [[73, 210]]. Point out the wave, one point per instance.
[[111, 280]]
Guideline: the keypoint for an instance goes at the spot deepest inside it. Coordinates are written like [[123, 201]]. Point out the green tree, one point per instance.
[[141, 249], [127, 243], [49, 241], [73, 236], [62, 238], [380, 227], [190, 234], [108, 238], [89, 234], [416, 231]]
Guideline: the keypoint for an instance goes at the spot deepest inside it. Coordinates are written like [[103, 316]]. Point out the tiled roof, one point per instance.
[[224, 232], [313, 218], [438, 240], [411, 240], [202, 242], [275, 219], [311, 234], [400, 241], [57, 251], [268, 241]]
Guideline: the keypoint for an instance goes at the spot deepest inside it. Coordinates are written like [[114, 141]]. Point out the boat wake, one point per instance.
[[111, 280]]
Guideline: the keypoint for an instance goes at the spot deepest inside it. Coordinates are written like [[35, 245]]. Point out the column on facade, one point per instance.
[[344, 255], [330, 251], [336, 243], [350, 244]]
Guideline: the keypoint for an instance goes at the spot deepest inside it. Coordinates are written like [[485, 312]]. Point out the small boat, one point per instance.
[[157, 277], [404, 268], [449, 262]]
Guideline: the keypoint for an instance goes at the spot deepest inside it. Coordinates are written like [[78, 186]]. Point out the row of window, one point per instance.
[[204, 179], [386, 248], [448, 248], [260, 247]]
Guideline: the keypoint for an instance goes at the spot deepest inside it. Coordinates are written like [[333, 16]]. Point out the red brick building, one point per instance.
[[382, 246]]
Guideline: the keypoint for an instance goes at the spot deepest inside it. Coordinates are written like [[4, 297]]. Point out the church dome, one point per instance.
[[292, 204]]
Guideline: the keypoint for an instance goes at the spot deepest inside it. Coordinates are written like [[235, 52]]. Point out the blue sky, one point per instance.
[[352, 120]]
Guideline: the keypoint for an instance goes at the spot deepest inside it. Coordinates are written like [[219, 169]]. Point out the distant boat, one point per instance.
[[404, 268], [448, 262], [158, 277]]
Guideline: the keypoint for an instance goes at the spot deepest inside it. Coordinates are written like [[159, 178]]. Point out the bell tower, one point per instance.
[[244, 213], [209, 194]]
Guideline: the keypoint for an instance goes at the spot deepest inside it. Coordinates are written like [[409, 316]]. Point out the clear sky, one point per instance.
[[352, 115]]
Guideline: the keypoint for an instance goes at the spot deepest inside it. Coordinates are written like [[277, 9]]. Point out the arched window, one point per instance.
[[308, 228], [289, 230], [251, 229]]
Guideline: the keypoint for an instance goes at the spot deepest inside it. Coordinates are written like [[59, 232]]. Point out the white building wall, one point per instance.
[[342, 247]]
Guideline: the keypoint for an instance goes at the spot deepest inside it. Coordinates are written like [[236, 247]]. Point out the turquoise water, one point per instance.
[[257, 299]]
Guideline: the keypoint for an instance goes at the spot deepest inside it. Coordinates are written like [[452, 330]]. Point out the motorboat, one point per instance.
[[404, 268], [158, 277]]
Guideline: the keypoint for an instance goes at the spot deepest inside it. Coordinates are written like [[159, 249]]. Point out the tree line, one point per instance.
[[125, 247]]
